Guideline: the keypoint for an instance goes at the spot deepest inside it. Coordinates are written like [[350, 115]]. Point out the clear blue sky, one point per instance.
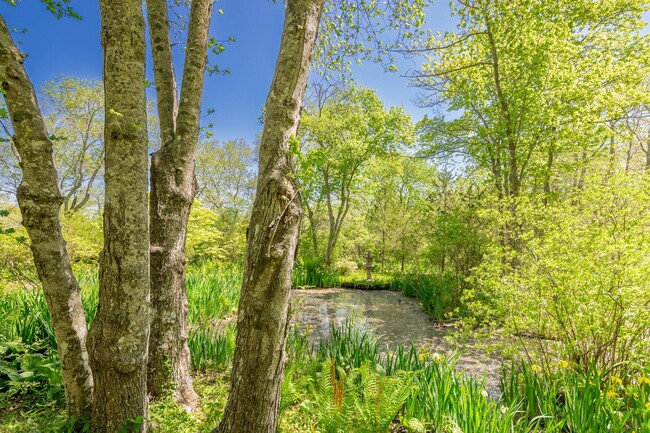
[[73, 47]]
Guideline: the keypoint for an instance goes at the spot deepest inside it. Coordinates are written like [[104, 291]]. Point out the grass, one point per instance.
[[345, 383], [213, 295], [567, 398], [440, 295]]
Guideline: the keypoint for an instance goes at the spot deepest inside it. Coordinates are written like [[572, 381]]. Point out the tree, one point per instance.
[[9, 169], [272, 239], [528, 78], [75, 119], [399, 187], [226, 176], [40, 199], [339, 139], [272, 236], [173, 188], [119, 335]]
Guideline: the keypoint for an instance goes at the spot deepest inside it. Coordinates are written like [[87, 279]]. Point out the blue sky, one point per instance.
[[72, 47]]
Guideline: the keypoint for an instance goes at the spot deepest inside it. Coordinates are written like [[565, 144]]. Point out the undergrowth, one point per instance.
[[345, 383]]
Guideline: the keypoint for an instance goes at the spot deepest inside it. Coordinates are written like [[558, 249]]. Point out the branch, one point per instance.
[[163, 68]]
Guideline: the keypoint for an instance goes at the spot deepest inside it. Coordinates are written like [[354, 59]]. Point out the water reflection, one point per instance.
[[395, 319]]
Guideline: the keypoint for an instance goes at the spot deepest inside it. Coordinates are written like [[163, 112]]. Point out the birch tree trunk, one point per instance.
[[272, 238], [40, 199], [173, 188], [119, 335]]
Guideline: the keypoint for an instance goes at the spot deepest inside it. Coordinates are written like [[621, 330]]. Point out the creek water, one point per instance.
[[395, 319]]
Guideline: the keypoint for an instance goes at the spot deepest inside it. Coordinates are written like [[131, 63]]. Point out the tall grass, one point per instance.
[[312, 274], [349, 367], [585, 400], [440, 295], [348, 346], [348, 381], [25, 317], [212, 291], [211, 348], [447, 401], [443, 400]]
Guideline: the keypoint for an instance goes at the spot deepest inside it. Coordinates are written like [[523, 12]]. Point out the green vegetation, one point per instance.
[[347, 383], [516, 213]]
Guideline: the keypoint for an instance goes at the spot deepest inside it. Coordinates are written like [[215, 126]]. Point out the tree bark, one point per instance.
[[119, 335], [173, 188], [272, 238], [40, 199]]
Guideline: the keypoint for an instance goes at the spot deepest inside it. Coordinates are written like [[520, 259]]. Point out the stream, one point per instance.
[[395, 319]]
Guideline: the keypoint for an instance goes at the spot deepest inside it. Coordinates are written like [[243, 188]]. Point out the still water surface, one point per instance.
[[394, 318]]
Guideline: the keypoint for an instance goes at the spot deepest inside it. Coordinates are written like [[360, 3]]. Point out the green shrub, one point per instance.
[[573, 271], [344, 266]]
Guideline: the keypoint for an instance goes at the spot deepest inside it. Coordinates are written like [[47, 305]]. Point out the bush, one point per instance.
[[344, 266], [16, 263], [84, 236], [573, 272]]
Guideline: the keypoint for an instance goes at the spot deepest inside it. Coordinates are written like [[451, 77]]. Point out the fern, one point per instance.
[[363, 400]]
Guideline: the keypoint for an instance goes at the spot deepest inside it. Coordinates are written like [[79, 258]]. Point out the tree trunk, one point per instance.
[[272, 238], [330, 246], [173, 188], [40, 198], [312, 228], [119, 335], [330, 217]]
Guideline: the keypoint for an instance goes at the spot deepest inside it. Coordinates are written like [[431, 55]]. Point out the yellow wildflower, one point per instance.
[[617, 379], [611, 394], [564, 364], [535, 368]]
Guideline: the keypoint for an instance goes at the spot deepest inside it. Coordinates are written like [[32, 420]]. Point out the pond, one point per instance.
[[395, 319]]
